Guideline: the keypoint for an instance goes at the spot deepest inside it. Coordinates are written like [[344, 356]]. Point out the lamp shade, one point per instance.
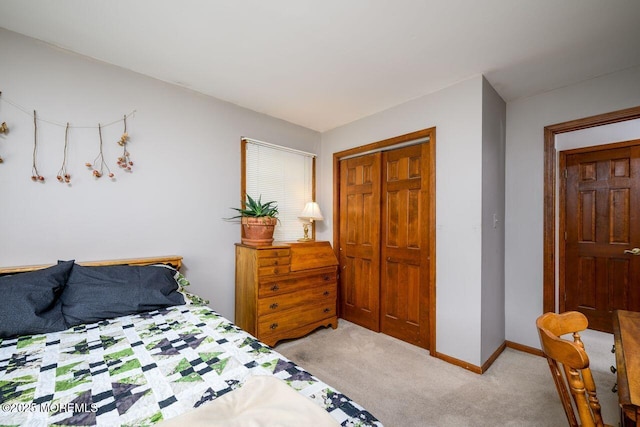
[[311, 211]]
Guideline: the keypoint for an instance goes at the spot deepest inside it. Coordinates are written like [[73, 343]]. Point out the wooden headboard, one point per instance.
[[174, 260]]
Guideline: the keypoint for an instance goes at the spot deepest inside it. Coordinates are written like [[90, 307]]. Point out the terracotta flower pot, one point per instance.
[[258, 231]]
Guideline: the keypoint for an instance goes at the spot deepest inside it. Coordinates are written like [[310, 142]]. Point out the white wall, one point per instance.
[[457, 114], [599, 135], [493, 152], [186, 150], [526, 119]]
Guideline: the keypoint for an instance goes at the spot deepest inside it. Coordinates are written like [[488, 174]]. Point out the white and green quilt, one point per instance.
[[142, 369]]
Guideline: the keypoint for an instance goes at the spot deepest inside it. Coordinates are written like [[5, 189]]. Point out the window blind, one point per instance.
[[284, 175]]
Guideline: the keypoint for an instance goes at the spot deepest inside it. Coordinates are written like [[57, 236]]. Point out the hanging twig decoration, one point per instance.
[[99, 158], [125, 161], [63, 176], [98, 167], [35, 175], [3, 126], [3, 129]]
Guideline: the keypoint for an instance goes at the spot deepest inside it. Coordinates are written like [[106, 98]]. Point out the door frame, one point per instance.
[[431, 208], [550, 208]]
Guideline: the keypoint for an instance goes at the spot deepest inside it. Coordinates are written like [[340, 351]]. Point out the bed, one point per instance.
[[86, 359]]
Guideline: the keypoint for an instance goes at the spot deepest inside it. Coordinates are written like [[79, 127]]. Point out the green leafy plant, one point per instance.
[[257, 209]]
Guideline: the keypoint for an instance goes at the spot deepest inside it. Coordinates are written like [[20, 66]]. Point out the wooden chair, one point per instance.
[[577, 379]]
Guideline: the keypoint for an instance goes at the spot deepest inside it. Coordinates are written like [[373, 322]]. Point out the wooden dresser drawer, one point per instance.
[[275, 270], [283, 302], [273, 261], [274, 253], [273, 324], [270, 286]]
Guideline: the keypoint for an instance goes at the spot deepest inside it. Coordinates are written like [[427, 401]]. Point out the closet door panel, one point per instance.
[[404, 250], [360, 240]]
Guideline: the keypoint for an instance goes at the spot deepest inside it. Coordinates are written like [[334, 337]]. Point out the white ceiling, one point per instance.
[[324, 63]]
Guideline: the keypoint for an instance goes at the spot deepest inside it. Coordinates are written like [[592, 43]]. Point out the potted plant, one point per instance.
[[258, 221]]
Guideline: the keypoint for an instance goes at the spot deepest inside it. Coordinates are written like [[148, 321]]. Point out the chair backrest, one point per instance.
[[574, 377]]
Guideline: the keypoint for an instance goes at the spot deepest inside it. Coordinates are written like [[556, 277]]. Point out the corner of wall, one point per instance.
[[493, 209]]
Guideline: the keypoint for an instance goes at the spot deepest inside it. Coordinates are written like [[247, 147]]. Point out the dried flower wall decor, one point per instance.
[[63, 176], [99, 165], [35, 175], [124, 161], [3, 129]]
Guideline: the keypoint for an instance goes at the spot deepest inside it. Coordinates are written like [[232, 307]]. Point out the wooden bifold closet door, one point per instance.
[[360, 240], [384, 242]]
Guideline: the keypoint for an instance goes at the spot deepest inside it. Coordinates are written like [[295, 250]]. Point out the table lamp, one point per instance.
[[310, 213]]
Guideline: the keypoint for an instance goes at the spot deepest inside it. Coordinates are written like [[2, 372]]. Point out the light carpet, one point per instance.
[[403, 386]]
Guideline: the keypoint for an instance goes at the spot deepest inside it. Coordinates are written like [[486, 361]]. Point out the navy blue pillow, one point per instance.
[[97, 293], [30, 302]]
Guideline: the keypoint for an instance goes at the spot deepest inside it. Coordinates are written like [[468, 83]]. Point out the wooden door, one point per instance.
[[360, 240], [405, 268], [602, 224]]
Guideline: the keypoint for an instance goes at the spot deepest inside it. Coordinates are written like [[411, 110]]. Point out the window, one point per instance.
[[285, 175]]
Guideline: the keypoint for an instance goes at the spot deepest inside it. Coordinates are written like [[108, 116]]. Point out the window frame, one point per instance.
[[243, 174]]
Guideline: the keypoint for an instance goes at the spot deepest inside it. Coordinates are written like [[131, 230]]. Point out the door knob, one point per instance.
[[634, 251]]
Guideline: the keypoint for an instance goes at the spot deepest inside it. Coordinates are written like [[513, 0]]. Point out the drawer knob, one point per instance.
[[273, 326], [273, 306], [326, 310], [327, 278], [326, 293], [276, 262], [275, 287]]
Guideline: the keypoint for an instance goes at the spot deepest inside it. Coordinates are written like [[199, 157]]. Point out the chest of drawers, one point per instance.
[[285, 290]]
